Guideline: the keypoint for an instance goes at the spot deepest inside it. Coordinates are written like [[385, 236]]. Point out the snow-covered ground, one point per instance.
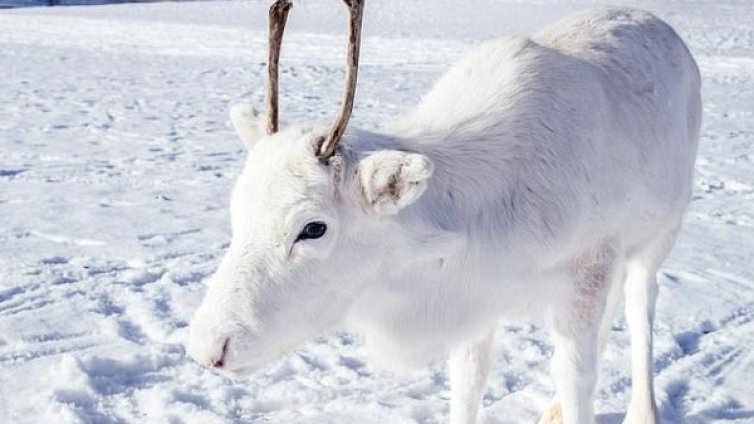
[[116, 160]]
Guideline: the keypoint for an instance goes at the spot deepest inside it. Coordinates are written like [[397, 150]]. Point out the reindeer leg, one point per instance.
[[641, 294], [574, 369], [576, 325], [553, 414], [468, 368]]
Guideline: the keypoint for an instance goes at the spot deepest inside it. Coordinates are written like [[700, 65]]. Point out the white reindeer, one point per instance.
[[541, 175]]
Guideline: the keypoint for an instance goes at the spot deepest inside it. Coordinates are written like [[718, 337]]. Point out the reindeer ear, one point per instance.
[[247, 123], [391, 180]]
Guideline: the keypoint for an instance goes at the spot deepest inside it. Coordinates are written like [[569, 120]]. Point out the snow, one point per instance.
[[116, 162]]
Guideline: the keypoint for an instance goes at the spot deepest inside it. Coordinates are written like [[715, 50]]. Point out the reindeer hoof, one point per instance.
[[553, 415], [641, 417]]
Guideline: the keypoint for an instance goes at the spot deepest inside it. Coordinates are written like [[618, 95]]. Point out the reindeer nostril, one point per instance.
[[219, 361]]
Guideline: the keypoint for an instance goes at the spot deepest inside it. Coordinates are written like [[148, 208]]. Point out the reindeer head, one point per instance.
[[312, 225]]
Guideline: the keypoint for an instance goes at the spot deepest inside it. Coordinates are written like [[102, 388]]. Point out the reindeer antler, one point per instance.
[[278, 17], [356, 12]]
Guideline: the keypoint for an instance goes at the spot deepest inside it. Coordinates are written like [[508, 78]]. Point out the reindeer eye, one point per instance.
[[312, 230]]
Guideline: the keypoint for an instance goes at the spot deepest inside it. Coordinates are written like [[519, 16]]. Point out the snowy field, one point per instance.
[[116, 161]]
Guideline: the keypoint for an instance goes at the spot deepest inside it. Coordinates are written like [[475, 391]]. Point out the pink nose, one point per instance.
[[219, 361]]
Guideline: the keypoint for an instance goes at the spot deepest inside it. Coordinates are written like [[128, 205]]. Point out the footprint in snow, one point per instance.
[[11, 172], [54, 260]]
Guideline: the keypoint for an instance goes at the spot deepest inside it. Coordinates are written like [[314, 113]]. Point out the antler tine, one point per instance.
[[278, 17], [356, 12]]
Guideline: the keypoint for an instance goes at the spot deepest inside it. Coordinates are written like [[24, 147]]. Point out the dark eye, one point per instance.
[[312, 230]]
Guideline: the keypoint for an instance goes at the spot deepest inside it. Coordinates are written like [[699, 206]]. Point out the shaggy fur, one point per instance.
[[540, 176]]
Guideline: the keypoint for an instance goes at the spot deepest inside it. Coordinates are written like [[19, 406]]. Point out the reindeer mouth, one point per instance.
[[219, 361], [229, 364]]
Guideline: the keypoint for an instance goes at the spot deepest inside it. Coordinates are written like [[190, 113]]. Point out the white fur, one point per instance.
[[541, 175], [247, 122]]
